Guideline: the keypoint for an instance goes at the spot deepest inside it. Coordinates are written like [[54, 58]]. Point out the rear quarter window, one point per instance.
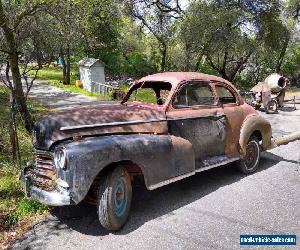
[[225, 95]]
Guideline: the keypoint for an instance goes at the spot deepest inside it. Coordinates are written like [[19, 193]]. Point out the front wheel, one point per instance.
[[114, 199], [250, 163]]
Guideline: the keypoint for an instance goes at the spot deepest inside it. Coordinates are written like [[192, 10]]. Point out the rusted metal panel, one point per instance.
[[43, 174], [204, 129], [220, 120], [234, 120], [161, 157], [274, 86], [98, 121], [183, 156], [251, 124], [176, 78]]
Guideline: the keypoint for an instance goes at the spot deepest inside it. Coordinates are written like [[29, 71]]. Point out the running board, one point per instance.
[[209, 163], [216, 161]]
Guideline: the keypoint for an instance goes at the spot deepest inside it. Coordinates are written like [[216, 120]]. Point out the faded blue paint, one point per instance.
[[121, 202]]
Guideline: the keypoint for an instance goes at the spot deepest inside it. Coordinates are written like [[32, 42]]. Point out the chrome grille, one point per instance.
[[44, 174], [45, 162]]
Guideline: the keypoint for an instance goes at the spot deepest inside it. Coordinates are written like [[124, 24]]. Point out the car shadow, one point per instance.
[[287, 109], [149, 205]]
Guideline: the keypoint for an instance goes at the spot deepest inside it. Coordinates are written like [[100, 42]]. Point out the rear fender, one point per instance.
[[251, 124]]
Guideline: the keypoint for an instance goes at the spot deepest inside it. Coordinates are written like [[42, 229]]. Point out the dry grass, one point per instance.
[[7, 237], [290, 93]]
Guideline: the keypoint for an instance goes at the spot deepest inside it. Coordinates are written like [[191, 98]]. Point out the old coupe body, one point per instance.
[[190, 122]]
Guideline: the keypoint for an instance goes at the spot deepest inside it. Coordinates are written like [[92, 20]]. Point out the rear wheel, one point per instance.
[[114, 199], [250, 163]]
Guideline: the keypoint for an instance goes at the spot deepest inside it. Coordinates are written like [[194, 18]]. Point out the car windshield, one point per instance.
[[149, 92]]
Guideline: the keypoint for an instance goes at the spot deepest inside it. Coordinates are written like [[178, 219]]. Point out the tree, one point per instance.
[[214, 31], [81, 28], [226, 37], [11, 18], [158, 18]]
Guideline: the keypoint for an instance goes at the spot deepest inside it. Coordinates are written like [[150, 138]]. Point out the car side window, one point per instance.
[[193, 94], [225, 95]]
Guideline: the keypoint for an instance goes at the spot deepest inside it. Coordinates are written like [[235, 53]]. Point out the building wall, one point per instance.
[[97, 74], [94, 74], [85, 77]]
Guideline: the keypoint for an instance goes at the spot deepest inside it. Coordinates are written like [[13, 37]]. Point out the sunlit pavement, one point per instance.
[[57, 98]]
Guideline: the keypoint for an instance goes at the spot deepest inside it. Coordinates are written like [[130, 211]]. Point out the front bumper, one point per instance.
[[57, 197]]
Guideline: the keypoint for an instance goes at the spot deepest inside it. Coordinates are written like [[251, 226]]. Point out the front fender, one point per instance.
[[251, 124], [160, 157]]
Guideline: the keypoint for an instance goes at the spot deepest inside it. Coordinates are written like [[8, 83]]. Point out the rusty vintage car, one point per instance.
[[168, 127]]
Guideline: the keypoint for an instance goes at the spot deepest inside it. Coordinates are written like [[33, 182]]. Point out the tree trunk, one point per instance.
[[199, 59], [68, 69], [19, 93], [281, 56], [164, 57], [9, 37], [223, 74], [66, 65], [13, 130]]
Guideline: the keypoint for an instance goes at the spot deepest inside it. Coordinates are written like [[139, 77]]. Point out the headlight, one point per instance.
[[60, 158]]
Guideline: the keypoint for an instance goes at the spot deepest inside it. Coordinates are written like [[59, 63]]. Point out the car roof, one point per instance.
[[177, 77]]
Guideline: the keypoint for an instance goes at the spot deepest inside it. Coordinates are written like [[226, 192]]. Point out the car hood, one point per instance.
[[98, 120]]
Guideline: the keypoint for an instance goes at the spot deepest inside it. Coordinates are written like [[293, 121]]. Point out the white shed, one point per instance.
[[91, 71]]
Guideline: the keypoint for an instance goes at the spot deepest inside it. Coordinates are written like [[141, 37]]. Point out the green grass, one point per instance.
[[24, 208], [54, 76], [14, 207], [143, 95]]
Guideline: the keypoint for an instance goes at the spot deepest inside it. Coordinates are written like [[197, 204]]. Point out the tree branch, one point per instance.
[[240, 64], [6, 81], [165, 8], [4, 51], [30, 12], [211, 63]]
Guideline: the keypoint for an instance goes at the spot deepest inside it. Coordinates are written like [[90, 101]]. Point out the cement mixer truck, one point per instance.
[[270, 93]]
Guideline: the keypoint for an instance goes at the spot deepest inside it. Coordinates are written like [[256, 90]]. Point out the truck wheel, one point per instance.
[[250, 163], [272, 107], [114, 199]]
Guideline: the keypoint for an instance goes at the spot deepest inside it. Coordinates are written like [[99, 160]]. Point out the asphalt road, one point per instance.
[[207, 211], [57, 98]]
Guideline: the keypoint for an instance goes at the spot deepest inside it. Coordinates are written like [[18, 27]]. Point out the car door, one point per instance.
[[194, 115], [229, 101]]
